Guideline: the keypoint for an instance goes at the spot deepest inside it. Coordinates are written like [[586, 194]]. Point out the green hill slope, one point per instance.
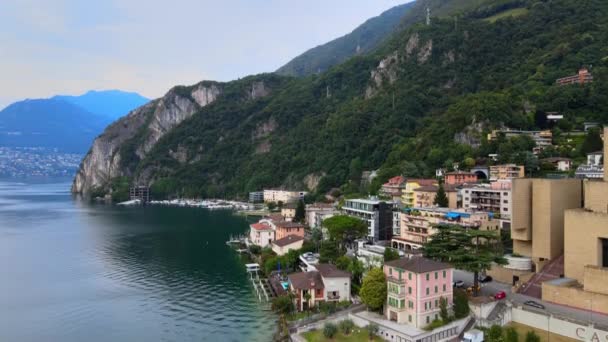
[[424, 97]]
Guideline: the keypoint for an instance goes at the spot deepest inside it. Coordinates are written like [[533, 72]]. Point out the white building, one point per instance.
[[261, 234], [595, 158], [285, 196], [494, 197], [317, 212]]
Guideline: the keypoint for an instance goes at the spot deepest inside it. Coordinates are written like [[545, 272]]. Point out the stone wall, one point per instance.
[[575, 296]]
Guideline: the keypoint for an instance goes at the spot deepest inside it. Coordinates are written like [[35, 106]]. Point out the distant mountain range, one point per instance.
[[361, 40], [67, 123]]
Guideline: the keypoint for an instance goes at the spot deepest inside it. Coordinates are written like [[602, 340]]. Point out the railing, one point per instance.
[[395, 280]]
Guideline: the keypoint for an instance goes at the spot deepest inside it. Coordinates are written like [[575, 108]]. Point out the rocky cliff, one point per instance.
[[153, 120]]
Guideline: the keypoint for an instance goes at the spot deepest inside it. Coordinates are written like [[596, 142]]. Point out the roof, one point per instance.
[[285, 224], [595, 153], [260, 226], [460, 173], [395, 180], [422, 181], [288, 240], [418, 264], [331, 271], [320, 205], [306, 280], [435, 188]]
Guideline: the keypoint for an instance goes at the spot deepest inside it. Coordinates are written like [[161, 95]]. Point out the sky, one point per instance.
[[50, 47]]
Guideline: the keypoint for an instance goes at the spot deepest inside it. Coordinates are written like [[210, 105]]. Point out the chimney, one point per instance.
[[606, 154]]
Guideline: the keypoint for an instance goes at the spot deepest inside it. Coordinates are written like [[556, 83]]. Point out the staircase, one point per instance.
[[550, 271]]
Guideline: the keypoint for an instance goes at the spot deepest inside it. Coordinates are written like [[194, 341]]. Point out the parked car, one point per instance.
[[485, 279], [534, 304], [458, 284], [500, 295]]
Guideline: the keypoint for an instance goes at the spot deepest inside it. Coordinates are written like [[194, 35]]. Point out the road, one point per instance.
[[491, 288]]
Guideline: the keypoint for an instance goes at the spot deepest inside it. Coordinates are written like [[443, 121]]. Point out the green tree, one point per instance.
[[532, 337], [283, 305], [356, 269], [494, 334], [329, 252], [271, 206], [443, 310], [330, 330], [390, 254], [300, 212], [345, 229], [372, 330], [343, 263], [466, 249], [373, 289], [346, 326], [461, 305], [593, 142], [511, 335], [441, 199]]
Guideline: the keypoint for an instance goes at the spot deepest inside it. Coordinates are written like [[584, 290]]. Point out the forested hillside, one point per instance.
[[425, 97], [362, 40]]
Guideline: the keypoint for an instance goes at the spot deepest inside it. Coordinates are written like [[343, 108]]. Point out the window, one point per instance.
[[444, 273], [409, 276], [409, 290], [436, 290], [402, 304], [427, 291], [427, 319], [390, 271], [444, 288], [409, 318], [505, 193], [427, 276], [505, 201], [604, 250], [436, 275], [410, 304], [504, 209]]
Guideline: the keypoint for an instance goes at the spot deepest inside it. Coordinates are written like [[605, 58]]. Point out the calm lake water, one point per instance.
[[70, 271]]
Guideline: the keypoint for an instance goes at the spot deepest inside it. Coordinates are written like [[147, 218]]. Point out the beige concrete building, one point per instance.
[[506, 171], [537, 222], [585, 251], [424, 196], [285, 196]]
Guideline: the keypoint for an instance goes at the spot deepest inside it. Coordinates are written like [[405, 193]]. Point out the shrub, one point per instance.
[[511, 335], [372, 330], [532, 337], [495, 334], [255, 249], [329, 330], [435, 324], [282, 305], [346, 326], [461, 305]]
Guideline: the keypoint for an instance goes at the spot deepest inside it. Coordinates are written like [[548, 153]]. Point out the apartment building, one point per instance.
[[256, 196], [408, 198], [285, 196], [415, 288], [494, 197], [418, 224], [393, 188], [376, 213], [261, 234], [506, 171], [317, 212], [424, 196], [541, 138]]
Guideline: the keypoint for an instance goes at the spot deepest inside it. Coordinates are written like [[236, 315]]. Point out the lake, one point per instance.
[[75, 271]]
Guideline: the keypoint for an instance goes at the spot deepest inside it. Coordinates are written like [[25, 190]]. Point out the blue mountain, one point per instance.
[[108, 103]]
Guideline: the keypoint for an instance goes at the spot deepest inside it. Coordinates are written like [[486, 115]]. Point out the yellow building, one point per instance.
[[424, 196], [409, 197], [506, 171]]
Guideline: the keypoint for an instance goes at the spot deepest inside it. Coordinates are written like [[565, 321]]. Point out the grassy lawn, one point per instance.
[[358, 335], [522, 330], [515, 12]]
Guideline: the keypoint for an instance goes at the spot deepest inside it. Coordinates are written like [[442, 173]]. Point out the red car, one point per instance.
[[500, 295]]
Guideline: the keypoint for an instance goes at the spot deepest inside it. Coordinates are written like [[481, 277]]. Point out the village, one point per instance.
[[387, 265]]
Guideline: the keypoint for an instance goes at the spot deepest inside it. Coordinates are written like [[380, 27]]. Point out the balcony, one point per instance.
[[333, 295], [395, 280]]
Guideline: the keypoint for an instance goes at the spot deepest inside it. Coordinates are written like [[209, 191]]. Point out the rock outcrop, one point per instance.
[[103, 162]]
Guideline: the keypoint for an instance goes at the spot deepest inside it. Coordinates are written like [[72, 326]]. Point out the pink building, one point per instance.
[[415, 286], [460, 177], [261, 234]]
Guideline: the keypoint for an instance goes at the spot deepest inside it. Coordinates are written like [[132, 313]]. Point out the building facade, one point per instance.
[[424, 196], [256, 196], [460, 177], [261, 234], [393, 188], [494, 197], [415, 288], [317, 212], [323, 282], [583, 76], [506, 171], [409, 197], [418, 224], [285, 228], [284, 245], [376, 213], [537, 220]]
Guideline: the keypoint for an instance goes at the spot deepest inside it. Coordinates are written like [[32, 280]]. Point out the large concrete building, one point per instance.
[[285, 196], [537, 222], [494, 197], [506, 171]]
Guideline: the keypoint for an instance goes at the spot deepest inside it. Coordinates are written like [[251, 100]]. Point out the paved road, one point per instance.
[[489, 289]]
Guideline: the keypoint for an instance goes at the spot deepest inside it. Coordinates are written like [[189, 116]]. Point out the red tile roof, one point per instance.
[[288, 240], [260, 226]]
